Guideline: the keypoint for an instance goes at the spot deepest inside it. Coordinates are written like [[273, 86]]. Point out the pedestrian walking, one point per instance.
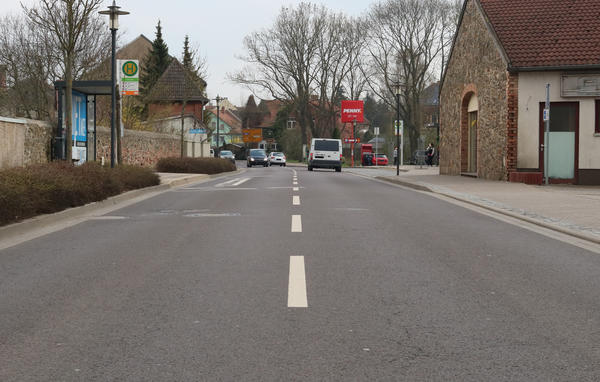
[[430, 152], [396, 156]]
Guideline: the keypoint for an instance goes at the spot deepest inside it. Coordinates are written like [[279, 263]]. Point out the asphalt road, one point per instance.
[[218, 281]]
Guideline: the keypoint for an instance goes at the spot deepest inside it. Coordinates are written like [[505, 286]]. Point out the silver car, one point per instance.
[[277, 158]]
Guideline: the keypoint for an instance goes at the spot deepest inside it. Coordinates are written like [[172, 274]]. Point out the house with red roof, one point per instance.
[[505, 55], [230, 126]]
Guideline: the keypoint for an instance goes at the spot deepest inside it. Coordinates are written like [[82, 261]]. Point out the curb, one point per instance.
[[43, 221], [427, 188]]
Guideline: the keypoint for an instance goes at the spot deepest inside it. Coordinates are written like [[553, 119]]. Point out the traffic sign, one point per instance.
[[398, 130], [351, 140], [197, 131], [129, 77]]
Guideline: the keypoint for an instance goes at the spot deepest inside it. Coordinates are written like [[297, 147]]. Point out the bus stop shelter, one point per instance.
[[83, 92]]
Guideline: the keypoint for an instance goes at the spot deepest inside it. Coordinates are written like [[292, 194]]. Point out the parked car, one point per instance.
[[277, 158], [380, 160], [257, 157], [226, 154], [325, 153]]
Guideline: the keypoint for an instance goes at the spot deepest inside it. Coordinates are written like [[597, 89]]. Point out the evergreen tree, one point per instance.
[[188, 59], [156, 63], [189, 63]]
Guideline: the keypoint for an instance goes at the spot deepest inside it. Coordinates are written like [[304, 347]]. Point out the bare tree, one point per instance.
[[339, 52], [283, 60], [73, 24], [28, 57], [405, 44]]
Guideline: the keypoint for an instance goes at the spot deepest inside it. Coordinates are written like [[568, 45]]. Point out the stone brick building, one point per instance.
[[493, 92]]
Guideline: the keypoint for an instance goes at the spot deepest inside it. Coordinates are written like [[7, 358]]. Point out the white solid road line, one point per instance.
[[297, 283], [296, 200], [296, 189], [243, 180], [296, 223]]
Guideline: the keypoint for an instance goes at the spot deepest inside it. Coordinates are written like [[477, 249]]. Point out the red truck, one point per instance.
[[366, 154]]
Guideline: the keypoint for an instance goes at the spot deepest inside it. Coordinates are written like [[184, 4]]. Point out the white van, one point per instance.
[[325, 153]]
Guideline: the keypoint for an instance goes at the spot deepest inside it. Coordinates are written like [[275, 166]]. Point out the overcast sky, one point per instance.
[[216, 27]]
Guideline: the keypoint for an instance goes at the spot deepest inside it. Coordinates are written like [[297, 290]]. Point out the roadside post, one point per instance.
[[546, 144], [376, 143]]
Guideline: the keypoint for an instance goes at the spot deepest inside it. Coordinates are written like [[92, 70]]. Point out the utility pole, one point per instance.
[[218, 99]]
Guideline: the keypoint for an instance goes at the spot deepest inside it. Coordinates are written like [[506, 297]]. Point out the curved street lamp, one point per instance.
[[113, 12]]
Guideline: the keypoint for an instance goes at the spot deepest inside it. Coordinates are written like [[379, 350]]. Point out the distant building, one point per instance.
[[230, 126], [494, 88]]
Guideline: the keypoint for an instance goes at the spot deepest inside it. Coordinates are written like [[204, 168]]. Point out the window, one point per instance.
[[597, 112], [327, 145]]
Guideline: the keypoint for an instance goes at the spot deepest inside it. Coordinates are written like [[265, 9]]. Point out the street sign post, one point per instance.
[[399, 130], [129, 77], [376, 143], [547, 136]]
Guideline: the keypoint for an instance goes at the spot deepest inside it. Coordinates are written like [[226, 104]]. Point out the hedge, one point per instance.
[[195, 165], [41, 189]]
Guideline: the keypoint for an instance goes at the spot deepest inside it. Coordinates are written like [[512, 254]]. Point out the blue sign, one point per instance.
[[197, 131], [79, 117]]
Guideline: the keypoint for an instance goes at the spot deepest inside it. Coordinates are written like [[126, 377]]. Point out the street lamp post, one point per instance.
[[218, 99], [113, 12], [397, 127]]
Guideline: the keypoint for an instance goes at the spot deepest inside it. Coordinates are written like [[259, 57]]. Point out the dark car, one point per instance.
[[226, 154], [257, 157]]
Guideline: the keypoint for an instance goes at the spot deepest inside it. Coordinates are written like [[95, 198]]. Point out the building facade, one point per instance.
[[493, 92]]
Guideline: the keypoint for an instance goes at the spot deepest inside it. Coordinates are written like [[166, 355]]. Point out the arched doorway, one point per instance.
[[469, 129]]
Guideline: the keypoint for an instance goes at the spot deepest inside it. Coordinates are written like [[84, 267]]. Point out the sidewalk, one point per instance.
[[574, 210]]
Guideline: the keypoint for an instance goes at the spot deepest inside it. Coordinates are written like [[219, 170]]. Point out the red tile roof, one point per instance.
[[547, 33], [228, 117]]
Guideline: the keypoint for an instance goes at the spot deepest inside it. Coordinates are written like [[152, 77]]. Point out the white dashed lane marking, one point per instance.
[[296, 223], [297, 283], [296, 188], [296, 200]]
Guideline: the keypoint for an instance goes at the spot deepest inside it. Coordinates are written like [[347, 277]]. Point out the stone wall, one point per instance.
[[24, 142], [143, 148], [476, 67]]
